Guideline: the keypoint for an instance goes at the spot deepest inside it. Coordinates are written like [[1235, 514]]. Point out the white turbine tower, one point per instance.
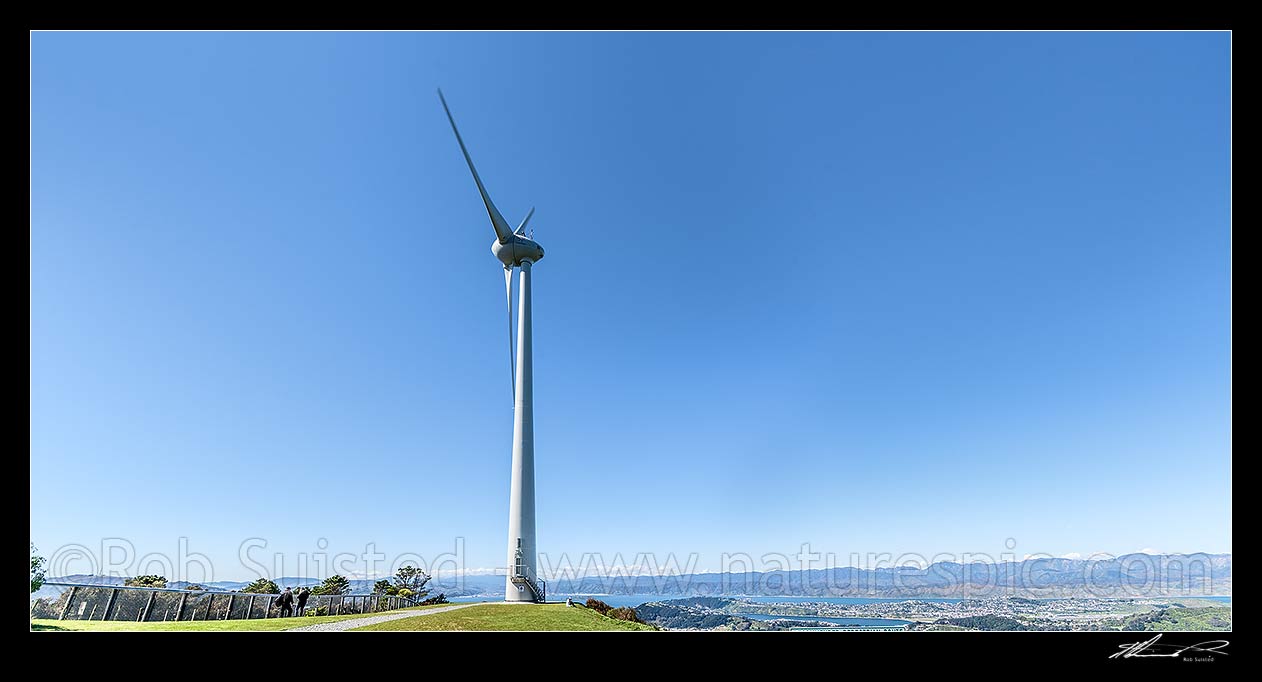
[[514, 249]]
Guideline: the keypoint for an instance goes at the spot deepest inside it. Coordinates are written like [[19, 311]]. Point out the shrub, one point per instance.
[[43, 608], [440, 599], [146, 581], [624, 613], [598, 606]]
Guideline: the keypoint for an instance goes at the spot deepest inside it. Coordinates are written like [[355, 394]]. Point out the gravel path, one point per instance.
[[338, 626]]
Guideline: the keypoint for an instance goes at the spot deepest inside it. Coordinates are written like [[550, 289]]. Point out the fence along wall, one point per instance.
[[66, 601]]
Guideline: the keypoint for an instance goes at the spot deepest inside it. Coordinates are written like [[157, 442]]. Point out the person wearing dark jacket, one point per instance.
[[286, 602], [303, 593]]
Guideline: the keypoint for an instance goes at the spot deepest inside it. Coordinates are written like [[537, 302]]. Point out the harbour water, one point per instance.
[[619, 600], [849, 622]]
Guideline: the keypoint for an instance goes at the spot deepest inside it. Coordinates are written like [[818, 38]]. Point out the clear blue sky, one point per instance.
[[879, 292]]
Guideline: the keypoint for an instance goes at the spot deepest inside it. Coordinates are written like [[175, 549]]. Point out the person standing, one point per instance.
[[286, 601], [303, 593]]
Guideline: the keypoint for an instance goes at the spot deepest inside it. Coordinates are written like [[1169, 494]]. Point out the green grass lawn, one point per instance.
[[510, 617], [261, 625]]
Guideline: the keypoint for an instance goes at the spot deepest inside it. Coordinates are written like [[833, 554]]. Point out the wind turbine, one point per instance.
[[514, 249]]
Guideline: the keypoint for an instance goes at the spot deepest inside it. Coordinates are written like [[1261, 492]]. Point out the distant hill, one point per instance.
[[1128, 575], [1123, 576]]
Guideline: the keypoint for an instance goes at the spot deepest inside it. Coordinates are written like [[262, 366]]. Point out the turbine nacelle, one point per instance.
[[519, 248]]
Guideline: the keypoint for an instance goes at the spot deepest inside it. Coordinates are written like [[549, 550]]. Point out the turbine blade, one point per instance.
[[512, 363], [521, 229], [502, 231]]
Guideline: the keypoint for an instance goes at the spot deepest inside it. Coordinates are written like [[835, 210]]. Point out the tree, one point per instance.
[[261, 586], [37, 570], [411, 578], [384, 587], [146, 581], [194, 586], [334, 584]]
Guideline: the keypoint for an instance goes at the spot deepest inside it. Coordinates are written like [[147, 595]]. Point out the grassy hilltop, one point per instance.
[[512, 617]]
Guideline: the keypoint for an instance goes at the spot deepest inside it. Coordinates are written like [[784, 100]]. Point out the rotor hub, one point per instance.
[[517, 249]]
